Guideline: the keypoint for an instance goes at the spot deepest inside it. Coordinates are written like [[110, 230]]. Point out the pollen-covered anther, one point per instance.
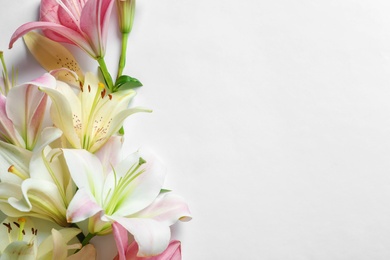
[[89, 88], [103, 93], [8, 225], [110, 96]]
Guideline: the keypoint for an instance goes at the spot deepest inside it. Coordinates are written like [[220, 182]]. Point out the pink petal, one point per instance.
[[121, 238], [69, 13], [173, 252], [48, 11], [70, 35], [94, 21]]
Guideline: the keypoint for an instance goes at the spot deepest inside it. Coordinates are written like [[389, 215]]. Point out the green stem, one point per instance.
[[106, 74], [122, 60], [87, 239]]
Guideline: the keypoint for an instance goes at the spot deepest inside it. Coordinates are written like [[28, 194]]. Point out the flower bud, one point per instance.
[[126, 10]]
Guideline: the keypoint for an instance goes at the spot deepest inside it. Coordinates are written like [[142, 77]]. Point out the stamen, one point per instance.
[[110, 96], [89, 88], [8, 225], [15, 171], [22, 222], [103, 93]]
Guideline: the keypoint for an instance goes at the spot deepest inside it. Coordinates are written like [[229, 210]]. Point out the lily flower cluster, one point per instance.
[[62, 178]]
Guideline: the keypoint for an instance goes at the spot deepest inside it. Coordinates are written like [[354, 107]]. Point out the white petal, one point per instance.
[[145, 188], [167, 208], [43, 198], [13, 155], [62, 114], [86, 171]]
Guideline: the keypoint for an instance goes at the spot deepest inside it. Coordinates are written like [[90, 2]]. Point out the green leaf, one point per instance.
[[164, 191], [126, 82]]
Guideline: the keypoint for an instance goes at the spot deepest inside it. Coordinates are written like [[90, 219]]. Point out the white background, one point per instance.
[[273, 118]]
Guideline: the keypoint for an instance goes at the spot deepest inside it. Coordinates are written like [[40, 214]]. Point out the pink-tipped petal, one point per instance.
[[121, 238], [82, 206], [8, 133], [167, 208]]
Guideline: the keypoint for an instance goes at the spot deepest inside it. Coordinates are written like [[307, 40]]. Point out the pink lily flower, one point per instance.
[[83, 23], [129, 252]]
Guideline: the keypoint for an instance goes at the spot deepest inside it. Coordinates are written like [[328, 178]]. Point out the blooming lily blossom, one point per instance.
[[129, 195], [22, 118], [46, 192], [129, 252], [90, 118], [23, 238], [83, 23], [22, 112]]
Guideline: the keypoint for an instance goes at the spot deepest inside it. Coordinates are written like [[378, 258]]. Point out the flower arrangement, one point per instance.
[[63, 180]]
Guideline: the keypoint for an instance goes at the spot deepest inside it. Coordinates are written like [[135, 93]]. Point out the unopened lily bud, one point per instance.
[[126, 10]]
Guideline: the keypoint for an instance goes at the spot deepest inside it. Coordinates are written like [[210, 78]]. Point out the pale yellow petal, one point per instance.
[[52, 55]]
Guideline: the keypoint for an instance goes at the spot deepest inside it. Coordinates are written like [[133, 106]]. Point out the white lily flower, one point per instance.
[[23, 238], [48, 189], [89, 118], [22, 118], [22, 112], [128, 195]]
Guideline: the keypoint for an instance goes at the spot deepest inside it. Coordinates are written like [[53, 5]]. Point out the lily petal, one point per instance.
[[94, 21], [8, 132], [173, 252], [121, 238], [167, 208], [143, 190], [82, 206], [72, 36], [53, 55], [88, 252], [86, 171], [152, 237], [42, 198], [16, 156], [61, 110]]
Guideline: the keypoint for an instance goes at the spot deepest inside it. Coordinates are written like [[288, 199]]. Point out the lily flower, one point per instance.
[[83, 23], [22, 239], [47, 190], [129, 195], [89, 118], [22, 112]]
